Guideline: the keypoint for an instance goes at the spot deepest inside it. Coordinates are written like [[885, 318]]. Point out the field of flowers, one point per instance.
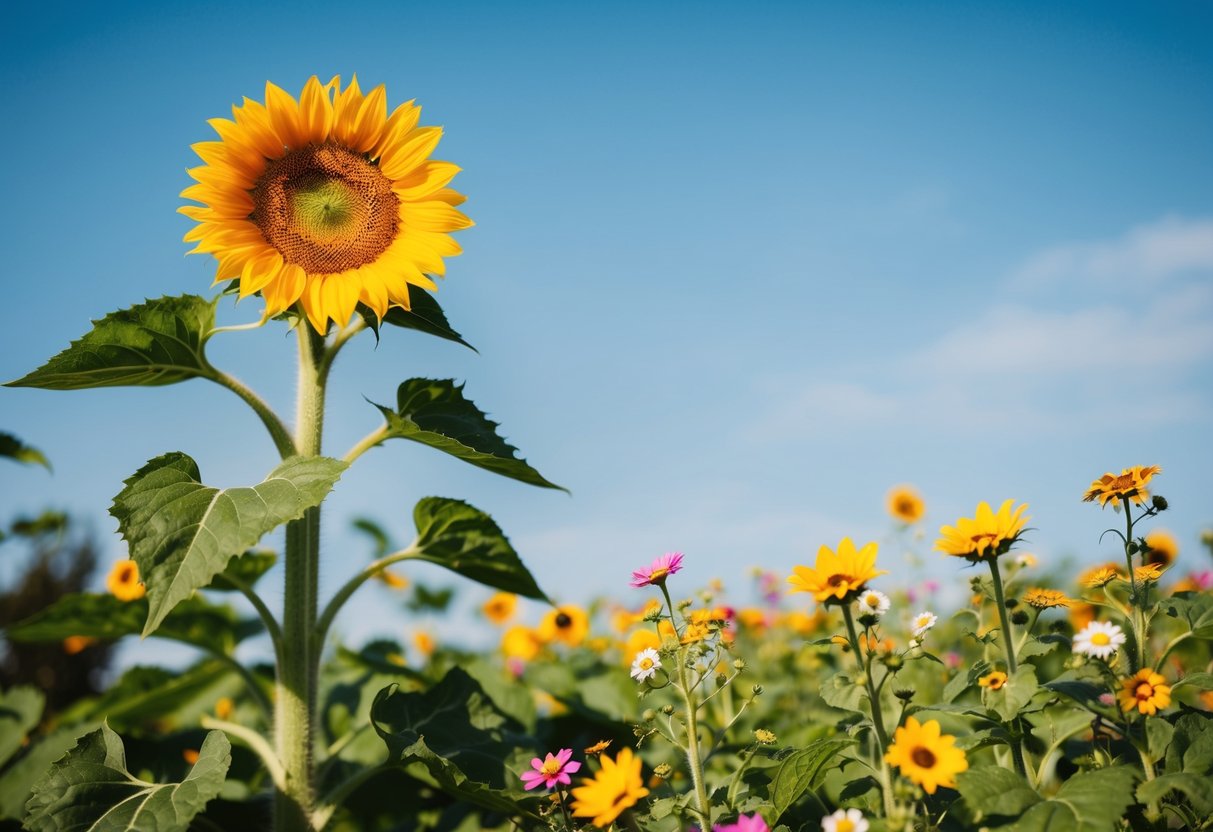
[[844, 701]]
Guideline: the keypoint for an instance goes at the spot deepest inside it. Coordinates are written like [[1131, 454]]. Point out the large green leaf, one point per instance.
[[803, 771], [19, 778], [20, 712], [14, 448], [458, 736], [1196, 788], [424, 316], [91, 789], [195, 621], [160, 699], [160, 341], [995, 791], [183, 533], [1089, 802], [1009, 700], [465, 540], [1195, 609], [435, 413]]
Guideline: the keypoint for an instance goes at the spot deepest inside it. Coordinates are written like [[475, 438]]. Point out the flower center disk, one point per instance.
[[922, 757], [326, 209]]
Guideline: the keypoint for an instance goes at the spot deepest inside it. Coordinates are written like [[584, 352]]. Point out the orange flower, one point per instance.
[[500, 608], [905, 504], [1129, 485], [1146, 691]]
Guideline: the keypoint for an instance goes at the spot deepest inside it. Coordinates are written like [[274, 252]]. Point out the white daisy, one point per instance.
[[645, 665], [922, 622], [1099, 639], [845, 820], [872, 602]]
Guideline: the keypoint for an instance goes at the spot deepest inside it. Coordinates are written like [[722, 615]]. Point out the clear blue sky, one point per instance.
[[737, 268]]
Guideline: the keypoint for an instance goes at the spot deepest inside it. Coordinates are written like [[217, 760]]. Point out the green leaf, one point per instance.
[[19, 778], [247, 569], [1158, 736], [377, 534], [195, 621], [1198, 789], [424, 316], [1092, 801], [1203, 681], [842, 692], [157, 342], [20, 712], [91, 789], [435, 413], [1191, 748], [1009, 700], [1195, 609], [14, 448], [48, 522], [964, 680], [458, 736], [803, 771], [183, 533], [1082, 686], [169, 700], [993, 790], [465, 540]]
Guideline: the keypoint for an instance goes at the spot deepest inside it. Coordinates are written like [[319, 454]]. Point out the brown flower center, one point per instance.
[[1144, 691], [563, 620], [325, 209], [838, 578], [923, 757]]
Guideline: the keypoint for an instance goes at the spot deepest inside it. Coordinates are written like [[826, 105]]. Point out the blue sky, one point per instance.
[[737, 268]]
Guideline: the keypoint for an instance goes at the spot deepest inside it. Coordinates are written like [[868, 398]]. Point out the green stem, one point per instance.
[[694, 761], [263, 612], [278, 432], [882, 738], [365, 444], [256, 743], [1008, 640], [338, 794], [351, 586], [298, 669]]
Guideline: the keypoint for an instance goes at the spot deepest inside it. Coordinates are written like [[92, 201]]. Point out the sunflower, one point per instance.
[[1043, 599], [567, 623], [1146, 691], [1098, 577], [123, 581], [994, 680], [905, 504], [1129, 485], [1161, 547], [837, 577], [521, 643], [987, 533], [617, 786], [500, 608], [926, 756], [327, 201], [1149, 572]]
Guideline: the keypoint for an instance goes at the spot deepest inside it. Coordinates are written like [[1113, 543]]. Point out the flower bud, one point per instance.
[[1020, 617], [739, 664], [663, 771], [649, 715], [757, 689], [904, 694], [667, 709], [1159, 502]]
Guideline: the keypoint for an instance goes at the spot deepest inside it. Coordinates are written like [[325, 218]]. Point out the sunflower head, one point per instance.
[[926, 756], [905, 504], [1130, 484], [123, 581], [567, 624], [987, 534], [1146, 692], [838, 576], [1161, 548], [617, 786], [1043, 599], [326, 201], [500, 608]]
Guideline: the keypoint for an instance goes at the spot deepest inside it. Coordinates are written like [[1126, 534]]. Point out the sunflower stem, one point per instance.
[[1008, 640], [882, 739], [703, 809], [298, 668]]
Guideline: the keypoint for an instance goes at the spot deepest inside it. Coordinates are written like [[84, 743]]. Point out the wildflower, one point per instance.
[[598, 747], [987, 533], [872, 602], [616, 787], [923, 622], [927, 757], [224, 707], [1161, 547], [994, 680], [328, 201], [1130, 485], [567, 623], [393, 580], [660, 569], [837, 577], [845, 820], [802, 623], [1100, 640], [1043, 599], [77, 644], [753, 618], [521, 643], [1149, 572], [905, 504], [123, 581], [645, 665], [500, 608], [764, 737], [1100, 576], [552, 770], [190, 755], [1146, 691], [753, 823], [424, 642]]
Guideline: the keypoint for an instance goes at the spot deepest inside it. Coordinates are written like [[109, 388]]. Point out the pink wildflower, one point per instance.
[[658, 571], [754, 823], [551, 770]]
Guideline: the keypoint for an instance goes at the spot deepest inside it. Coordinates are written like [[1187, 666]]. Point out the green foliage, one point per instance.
[[1092, 801], [1194, 609], [91, 789], [157, 342], [435, 413], [803, 771], [465, 540], [994, 792], [1198, 789], [18, 779], [183, 533], [244, 570], [20, 711], [425, 315], [14, 448], [1009, 700]]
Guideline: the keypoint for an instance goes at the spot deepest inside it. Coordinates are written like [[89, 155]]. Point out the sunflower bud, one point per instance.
[[904, 694], [667, 709], [1020, 617], [1159, 502]]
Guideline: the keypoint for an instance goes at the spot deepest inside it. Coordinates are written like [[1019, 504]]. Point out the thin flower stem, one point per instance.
[[256, 743], [1133, 599], [340, 340], [263, 612], [1008, 639], [277, 430], [564, 810], [351, 586], [694, 761], [882, 738], [250, 681]]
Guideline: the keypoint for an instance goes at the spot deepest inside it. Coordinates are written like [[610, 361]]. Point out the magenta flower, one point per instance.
[[658, 571], [551, 770], [754, 823]]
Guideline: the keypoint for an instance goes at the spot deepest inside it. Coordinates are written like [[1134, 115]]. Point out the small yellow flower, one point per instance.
[[837, 577], [567, 624], [616, 787], [764, 737], [500, 608], [905, 504], [1043, 599], [1100, 576], [1146, 691], [753, 618], [598, 747], [926, 756], [424, 642], [1149, 572], [77, 644], [123, 581], [988, 533], [1130, 485], [993, 680], [393, 580], [521, 643], [1161, 547], [224, 707]]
